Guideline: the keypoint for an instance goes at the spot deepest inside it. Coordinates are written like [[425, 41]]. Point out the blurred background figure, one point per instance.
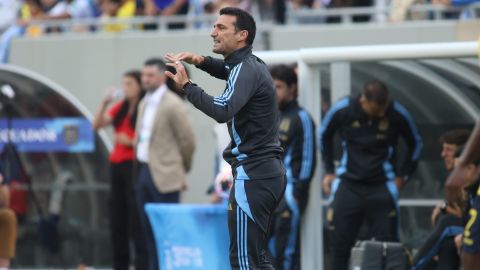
[[297, 137], [164, 148], [124, 218], [366, 184], [166, 8], [439, 250], [117, 9], [8, 13], [8, 227]]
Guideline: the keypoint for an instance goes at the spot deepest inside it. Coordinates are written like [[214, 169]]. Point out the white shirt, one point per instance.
[[79, 9], [58, 9], [152, 100], [223, 139], [8, 13]]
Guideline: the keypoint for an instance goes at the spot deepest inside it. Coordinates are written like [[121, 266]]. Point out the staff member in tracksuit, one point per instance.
[[365, 185], [297, 136], [249, 107]]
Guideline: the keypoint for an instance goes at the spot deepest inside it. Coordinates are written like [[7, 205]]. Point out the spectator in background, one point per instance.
[[76, 9], [446, 219], [54, 7], [349, 4], [466, 13], [31, 9], [8, 13], [399, 9], [297, 137], [365, 186], [165, 145], [117, 9], [166, 8], [8, 227], [124, 217]]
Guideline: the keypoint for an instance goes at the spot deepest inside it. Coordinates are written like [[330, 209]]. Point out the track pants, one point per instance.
[[354, 203], [250, 211]]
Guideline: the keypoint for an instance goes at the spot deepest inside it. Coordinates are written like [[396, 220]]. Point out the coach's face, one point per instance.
[[226, 38]]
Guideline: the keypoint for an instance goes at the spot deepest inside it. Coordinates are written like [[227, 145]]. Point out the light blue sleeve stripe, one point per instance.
[[234, 81], [418, 139], [294, 223], [222, 99], [229, 83], [447, 232], [341, 104], [307, 160], [231, 88]]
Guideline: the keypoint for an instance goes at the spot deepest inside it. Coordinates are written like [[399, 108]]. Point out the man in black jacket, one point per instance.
[[297, 136], [249, 107], [365, 185]]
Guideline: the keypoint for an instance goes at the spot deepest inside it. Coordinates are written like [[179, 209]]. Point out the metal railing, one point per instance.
[[310, 79]]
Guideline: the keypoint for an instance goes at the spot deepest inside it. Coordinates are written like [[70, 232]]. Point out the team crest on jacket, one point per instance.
[[356, 124], [285, 125], [384, 124], [70, 134]]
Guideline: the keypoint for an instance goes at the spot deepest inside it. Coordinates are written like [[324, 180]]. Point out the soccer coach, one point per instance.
[[249, 107]]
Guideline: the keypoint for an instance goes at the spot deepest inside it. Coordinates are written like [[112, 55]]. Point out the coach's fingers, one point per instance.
[[171, 76], [171, 57]]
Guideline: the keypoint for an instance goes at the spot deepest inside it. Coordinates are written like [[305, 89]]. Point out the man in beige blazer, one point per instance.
[[164, 147]]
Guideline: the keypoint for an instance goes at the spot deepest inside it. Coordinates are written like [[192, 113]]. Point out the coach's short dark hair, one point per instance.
[[284, 73], [377, 92], [156, 62], [457, 137], [244, 21]]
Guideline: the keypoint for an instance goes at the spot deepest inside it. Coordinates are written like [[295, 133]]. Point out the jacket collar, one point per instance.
[[293, 104], [237, 56]]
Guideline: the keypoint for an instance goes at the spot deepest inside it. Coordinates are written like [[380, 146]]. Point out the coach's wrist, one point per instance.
[[186, 84]]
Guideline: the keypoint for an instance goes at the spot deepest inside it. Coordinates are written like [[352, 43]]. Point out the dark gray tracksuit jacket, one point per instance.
[[249, 106]]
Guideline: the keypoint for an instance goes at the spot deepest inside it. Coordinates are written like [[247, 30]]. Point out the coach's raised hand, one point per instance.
[[180, 77], [187, 57]]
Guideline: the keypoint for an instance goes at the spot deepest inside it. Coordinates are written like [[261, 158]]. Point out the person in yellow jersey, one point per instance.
[[117, 9]]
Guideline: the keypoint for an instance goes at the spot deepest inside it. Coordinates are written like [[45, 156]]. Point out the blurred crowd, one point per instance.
[[23, 12], [33, 18]]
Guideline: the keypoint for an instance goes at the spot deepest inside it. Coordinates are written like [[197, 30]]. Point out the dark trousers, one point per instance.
[[124, 218], [353, 204], [147, 192], [286, 232], [441, 243], [250, 212]]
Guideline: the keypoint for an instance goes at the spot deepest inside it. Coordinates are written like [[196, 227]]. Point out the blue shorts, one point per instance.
[[471, 235]]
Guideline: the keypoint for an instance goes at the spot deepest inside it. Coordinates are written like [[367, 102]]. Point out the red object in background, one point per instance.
[[18, 198]]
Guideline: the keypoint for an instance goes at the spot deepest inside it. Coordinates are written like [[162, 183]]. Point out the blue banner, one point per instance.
[[190, 237], [73, 134]]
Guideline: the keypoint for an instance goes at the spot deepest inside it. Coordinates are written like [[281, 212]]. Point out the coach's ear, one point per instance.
[[242, 35]]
